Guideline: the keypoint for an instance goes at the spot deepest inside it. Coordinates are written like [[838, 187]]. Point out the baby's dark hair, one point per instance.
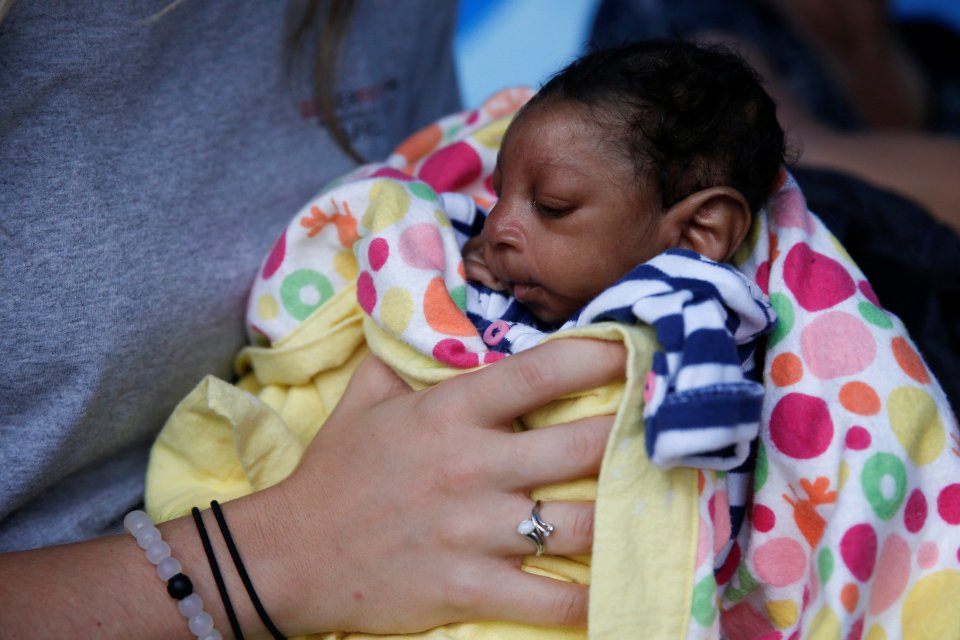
[[688, 115]]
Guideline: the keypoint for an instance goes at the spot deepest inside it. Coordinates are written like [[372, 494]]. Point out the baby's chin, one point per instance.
[[550, 313]]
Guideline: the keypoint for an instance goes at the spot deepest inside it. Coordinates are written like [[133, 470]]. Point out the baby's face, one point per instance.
[[570, 219]]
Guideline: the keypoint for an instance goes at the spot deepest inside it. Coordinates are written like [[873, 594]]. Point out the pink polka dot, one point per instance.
[[729, 566], [743, 621], [649, 386], [764, 519], [492, 356], [495, 332], [893, 571], [858, 438], [453, 352], [927, 554], [472, 117], [763, 277], [817, 281], [837, 344], [780, 561], [858, 548], [915, 512], [800, 426], [378, 253], [948, 504], [389, 172], [422, 247], [868, 293], [703, 542], [789, 208], [719, 508], [452, 167], [366, 292], [856, 630], [275, 259]]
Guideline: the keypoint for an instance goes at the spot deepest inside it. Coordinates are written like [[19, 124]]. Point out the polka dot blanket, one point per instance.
[[851, 528]]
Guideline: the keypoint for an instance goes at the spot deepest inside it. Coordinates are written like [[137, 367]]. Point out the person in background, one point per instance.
[[873, 106]]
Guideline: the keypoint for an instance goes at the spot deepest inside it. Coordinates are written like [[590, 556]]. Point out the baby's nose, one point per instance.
[[503, 228]]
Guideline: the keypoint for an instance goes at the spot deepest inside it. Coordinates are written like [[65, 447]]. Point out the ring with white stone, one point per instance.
[[535, 529]]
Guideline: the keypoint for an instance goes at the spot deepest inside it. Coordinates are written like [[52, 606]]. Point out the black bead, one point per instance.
[[179, 586]]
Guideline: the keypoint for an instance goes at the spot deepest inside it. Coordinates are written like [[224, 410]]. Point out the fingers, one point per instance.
[[555, 454], [533, 599], [572, 528], [497, 394]]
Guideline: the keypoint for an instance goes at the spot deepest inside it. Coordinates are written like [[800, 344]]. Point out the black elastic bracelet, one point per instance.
[[217, 577], [241, 570]]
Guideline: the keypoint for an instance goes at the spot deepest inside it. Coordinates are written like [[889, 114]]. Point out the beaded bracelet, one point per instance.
[[170, 571]]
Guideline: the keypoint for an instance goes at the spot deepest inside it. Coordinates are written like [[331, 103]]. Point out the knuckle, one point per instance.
[[459, 474], [533, 373], [585, 443], [582, 527]]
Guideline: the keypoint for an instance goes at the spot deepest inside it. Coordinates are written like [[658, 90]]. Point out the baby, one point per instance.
[[622, 155], [622, 189]]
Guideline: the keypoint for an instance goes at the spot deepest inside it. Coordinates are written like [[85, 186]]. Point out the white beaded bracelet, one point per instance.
[[170, 571]]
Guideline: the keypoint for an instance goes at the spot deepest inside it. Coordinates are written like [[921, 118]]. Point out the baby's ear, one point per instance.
[[713, 222]]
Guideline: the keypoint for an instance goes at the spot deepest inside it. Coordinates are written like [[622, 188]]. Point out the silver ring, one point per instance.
[[535, 529]]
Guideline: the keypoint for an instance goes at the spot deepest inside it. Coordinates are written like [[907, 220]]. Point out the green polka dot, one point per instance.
[[825, 565], [760, 473], [452, 132], [785, 318], [874, 315], [303, 291], [748, 584], [459, 297], [704, 604], [423, 191], [875, 470]]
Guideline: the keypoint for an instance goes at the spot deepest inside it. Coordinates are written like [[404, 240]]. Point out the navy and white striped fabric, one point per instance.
[[702, 395]]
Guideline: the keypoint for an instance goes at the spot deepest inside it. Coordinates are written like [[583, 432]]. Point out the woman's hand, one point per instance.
[[402, 514]]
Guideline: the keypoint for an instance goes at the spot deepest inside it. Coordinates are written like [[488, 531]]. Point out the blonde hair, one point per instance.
[[5, 8], [334, 17]]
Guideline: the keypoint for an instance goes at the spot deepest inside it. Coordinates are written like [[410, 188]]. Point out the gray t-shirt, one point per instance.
[[145, 168]]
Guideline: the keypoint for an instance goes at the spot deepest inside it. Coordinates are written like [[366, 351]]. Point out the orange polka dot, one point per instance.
[[786, 369], [506, 101], [909, 360], [849, 596], [442, 313], [859, 398], [486, 203], [420, 143], [461, 270], [701, 481]]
